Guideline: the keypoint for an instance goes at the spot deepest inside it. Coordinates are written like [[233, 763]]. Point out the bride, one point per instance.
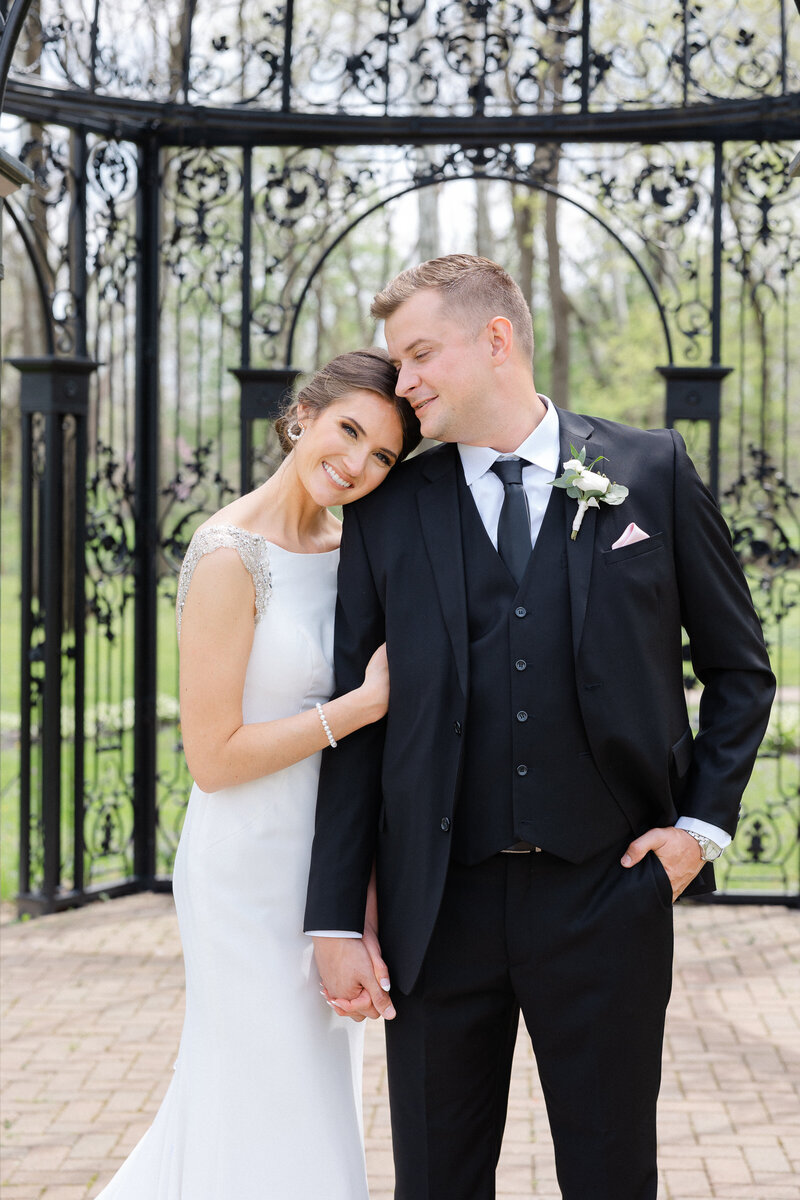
[[265, 1101]]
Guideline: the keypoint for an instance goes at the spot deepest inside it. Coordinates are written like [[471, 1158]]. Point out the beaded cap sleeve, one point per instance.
[[252, 549]]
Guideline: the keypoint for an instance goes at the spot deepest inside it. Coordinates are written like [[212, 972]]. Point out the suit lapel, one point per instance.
[[578, 432], [441, 529]]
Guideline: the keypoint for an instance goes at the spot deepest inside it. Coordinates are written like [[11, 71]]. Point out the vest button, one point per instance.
[[457, 728], [520, 664], [522, 769], [521, 612], [444, 824], [522, 715]]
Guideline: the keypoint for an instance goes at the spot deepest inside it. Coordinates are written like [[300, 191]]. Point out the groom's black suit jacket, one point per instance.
[[391, 789]]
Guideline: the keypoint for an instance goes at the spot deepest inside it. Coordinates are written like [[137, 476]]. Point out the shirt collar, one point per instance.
[[541, 447]]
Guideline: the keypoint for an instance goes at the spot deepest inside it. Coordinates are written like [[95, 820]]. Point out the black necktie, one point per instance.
[[514, 527]]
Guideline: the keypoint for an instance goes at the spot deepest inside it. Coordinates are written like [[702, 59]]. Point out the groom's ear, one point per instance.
[[500, 332]]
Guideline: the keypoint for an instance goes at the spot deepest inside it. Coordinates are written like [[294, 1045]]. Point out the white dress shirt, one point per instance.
[[542, 450]]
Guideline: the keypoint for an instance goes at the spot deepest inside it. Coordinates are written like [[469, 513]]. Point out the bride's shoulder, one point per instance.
[[247, 549], [215, 534]]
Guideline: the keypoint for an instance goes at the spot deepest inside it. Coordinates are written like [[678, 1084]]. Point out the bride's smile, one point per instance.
[[348, 447]]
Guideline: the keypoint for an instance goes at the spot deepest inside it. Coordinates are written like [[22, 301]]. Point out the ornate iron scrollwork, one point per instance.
[[244, 239]]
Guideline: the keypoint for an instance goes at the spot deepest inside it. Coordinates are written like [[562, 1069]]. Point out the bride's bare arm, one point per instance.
[[217, 629]]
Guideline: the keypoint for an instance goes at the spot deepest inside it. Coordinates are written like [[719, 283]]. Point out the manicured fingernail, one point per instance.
[[389, 1013], [626, 860], [385, 985], [330, 1005]]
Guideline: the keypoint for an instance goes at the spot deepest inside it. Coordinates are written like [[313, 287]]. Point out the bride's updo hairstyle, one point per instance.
[[358, 370]]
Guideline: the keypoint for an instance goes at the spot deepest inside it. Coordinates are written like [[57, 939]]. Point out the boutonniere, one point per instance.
[[586, 486]]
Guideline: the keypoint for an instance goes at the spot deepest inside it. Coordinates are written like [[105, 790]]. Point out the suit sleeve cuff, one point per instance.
[[695, 825], [348, 933]]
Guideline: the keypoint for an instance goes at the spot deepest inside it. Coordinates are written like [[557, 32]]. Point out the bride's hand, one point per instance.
[[350, 1008], [343, 1008], [375, 688], [355, 1008], [374, 950], [370, 936]]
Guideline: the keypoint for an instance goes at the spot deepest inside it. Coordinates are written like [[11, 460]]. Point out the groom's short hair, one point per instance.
[[475, 287]]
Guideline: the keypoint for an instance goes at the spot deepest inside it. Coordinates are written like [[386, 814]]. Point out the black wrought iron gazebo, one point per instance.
[[220, 186]]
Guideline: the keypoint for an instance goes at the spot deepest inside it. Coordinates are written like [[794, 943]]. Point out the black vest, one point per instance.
[[528, 773]]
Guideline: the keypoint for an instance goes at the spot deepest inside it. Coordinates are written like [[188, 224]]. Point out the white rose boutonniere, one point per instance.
[[586, 486]]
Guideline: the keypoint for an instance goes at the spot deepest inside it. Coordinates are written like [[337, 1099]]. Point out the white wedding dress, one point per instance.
[[265, 1102]]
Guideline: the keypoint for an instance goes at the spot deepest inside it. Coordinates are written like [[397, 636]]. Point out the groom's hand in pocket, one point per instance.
[[350, 975], [677, 851]]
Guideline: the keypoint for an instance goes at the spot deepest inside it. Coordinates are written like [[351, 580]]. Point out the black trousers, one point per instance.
[[585, 952]]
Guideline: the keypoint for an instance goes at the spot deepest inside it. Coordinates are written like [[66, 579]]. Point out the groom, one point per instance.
[[535, 800]]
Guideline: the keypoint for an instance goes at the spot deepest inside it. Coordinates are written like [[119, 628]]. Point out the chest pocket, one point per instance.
[[633, 553]]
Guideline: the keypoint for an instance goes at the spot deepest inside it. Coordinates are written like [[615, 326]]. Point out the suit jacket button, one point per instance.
[[521, 612], [444, 824], [522, 769], [457, 727], [522, 715], [520, 664]]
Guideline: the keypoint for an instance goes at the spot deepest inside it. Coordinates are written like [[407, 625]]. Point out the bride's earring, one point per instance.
[[295, 432]]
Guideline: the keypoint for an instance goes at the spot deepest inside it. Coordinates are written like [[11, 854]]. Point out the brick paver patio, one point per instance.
[[92, 1006]]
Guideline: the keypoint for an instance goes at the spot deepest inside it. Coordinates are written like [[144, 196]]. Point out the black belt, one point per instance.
[[522, 848]]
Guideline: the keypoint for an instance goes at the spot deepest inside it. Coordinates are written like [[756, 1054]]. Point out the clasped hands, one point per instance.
[[355, 979], [676, 850]]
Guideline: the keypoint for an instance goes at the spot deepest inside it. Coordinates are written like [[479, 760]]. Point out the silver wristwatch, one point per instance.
[[708, 850]]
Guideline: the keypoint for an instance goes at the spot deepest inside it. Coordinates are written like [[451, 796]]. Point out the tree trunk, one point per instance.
[[559, 306], [429, 240], [484, 237], [559, 301], [524, 210]]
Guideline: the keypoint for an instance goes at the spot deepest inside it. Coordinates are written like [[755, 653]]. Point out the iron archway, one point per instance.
[[543, 187]]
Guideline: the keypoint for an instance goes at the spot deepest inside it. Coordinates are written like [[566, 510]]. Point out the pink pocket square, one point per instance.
[[632, 534]]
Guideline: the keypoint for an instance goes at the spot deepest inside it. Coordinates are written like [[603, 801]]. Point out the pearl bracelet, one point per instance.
[[326, 727]]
